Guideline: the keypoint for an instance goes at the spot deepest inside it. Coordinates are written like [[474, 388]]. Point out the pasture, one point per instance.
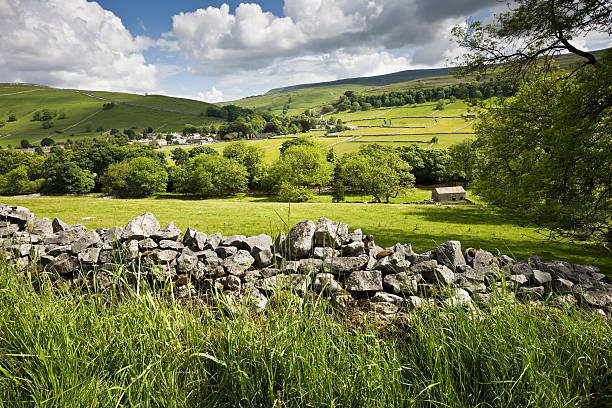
[[423, 226]]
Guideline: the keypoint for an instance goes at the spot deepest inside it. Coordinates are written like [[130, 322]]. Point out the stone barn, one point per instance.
[[448, 194]]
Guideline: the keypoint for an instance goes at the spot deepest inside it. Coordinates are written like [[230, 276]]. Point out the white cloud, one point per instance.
[[71, 43], [212, 96], [213, 40]]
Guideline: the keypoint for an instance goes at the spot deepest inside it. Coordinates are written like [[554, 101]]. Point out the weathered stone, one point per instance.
[[169, 232], [326, 282], [401, 284], [280, 244], [17, 215], [561, 285], [226, 251], [541, 278], [65, 264], [536, 293], [238, 263], [364, 281], [231, 282], [416, 259], [354, 236], [597, 298], [585, 269], [290, 267], [505, 260], [85, 241], [300, 238], [163, 273], [263, 258], [238, 241], [439, 275], [518, 280], [387, 298], [168, 244], [267, 272], [58, 225], [485, 262], [166, 255], [8, 229], [385, 308], [258, 243], [354, 248], [147, 245], [322, 253], [473, 286], [213, 241], [449, 254], [310, 266], [141, 227], [393, 263], [189, 236], [186, 263], [330, 233], [522, 268], [41, 226], [112, 237], [342, 299], [89, 255], [559, 269], [415, 303], [459, 297], [344, 265], [61, 238]]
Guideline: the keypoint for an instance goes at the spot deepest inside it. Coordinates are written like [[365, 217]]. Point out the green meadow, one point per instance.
[[424, 226]]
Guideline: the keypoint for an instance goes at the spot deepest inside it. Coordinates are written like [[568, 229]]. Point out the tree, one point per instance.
[[47, 141], [25, 143], [251, 157], [67, 177], [300, 141], [12, 118], [214, 175], [528, 36], [15, 181], [180, 156], [547, 153], [463, 159], [198, 150], [376, 170], [141, 176], [302, 166]]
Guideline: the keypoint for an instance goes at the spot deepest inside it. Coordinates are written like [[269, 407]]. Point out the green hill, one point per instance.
[[304, 96], [81, 113]]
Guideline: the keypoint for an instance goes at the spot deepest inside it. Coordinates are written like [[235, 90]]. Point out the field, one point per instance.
[[424, 226], [84, 115]]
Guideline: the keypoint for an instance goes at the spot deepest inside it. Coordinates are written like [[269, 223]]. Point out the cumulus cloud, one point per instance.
[[215, 40], [212, 96], [71, 43]]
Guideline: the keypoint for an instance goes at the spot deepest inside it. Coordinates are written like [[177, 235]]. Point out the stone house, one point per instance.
[[448, 194]]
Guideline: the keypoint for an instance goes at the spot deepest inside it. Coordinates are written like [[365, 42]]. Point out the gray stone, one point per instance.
[[147, 245], [59, 226], [322, 253], [213, 241], [597, 298], [226, 251], [141, 227], [522, 268], [310, 266], [65, 264], [541, 278], [166, 255], [89, 255], [326, 282], [42, 227], [300, 238], [330, 233], [273, 283], [169, 232], [290, 267], [199, 241], [387, 298], [561, 285], [238, 241], [449, 254], [186, 263], [267, 272], [518, 280], [385, 308], [341, 266], [426, 266], [238, 263], [364, 281], [416, 259], [251, 276], [586, 269], [85, 241], [9, 229], [354, 248], [231, 282], [459, 297], [472, 286], [536, 293], [393, 263], [189, 236], [112, 237], [505, 260], [415, 303], [258, 243], [439, 275], [263, 258], [163, 273], [558, 269], [401, 284], [355, 236], [280, 243], [60, 238], [485, 262]]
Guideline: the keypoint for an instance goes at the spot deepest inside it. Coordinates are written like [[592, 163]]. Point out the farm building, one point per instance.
[[448, 194]]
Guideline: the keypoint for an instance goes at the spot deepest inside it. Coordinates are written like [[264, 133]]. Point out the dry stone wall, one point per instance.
[[325, 257]]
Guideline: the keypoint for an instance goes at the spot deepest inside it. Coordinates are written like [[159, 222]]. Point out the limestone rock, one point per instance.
[[238, 263], [439, 275], [326, 282], [141, 227], [330, 233], [300, 238], [364, 281], [401, 284], [449, 254]]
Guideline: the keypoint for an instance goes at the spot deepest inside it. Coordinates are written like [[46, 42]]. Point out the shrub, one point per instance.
[[214, 175], [141, 176], [292, 193]]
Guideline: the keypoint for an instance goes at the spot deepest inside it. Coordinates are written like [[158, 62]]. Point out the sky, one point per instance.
[[225, 50]]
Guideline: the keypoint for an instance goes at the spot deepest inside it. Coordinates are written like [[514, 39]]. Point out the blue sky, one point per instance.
[[225, 50]]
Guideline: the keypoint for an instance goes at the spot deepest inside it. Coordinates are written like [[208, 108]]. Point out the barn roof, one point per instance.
[[450, 190]]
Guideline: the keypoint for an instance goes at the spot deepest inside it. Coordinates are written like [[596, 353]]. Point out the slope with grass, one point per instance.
[[84, 114]]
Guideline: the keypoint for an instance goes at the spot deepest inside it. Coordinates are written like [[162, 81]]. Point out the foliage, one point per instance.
[[547, 153], [251, 157], [198, 150], [293, 193], [526, 38], [299, 141], [180, 156], [15, 181], [214, 175], [47, 141], [377, 170], [141, 176], [66, 177], [463, 159], [429, 166], [301, 166]]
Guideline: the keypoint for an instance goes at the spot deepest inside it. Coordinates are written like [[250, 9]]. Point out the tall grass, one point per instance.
[[76, 348]]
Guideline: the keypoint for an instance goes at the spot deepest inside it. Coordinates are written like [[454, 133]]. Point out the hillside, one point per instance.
[[81, 113], [303, 96]]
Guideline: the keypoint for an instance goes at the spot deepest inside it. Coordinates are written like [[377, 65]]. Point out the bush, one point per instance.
[[292, 193], [68, 178], [15, 181], [137, 177], [214, 175]]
